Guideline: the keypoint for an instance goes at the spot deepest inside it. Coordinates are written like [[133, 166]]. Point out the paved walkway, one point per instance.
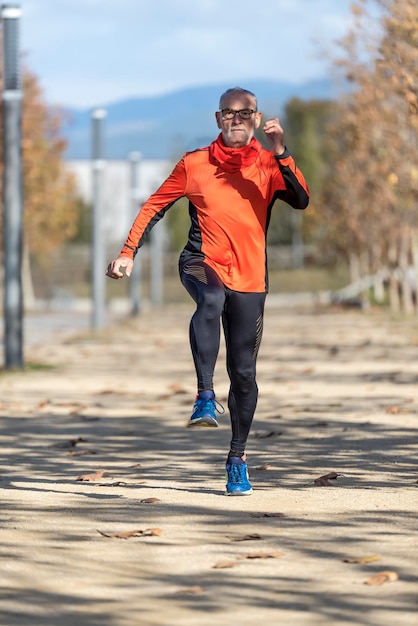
[[113, 513]]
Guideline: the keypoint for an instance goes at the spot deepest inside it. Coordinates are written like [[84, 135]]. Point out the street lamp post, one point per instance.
[[12, 188], [98, 249], [136, 276]]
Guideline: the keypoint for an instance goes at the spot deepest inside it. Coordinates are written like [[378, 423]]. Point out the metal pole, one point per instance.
[[12, 189], [298, 249], [135, 282], [98, 249], [156, 264]]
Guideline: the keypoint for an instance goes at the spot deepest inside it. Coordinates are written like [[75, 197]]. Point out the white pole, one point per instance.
[[98, 244], [135, 280]]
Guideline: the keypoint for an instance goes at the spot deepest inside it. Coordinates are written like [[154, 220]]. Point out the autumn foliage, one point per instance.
[[370, 197], [49, 193]]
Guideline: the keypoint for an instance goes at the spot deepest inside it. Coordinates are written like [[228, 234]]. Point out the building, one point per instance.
[[120, 201]]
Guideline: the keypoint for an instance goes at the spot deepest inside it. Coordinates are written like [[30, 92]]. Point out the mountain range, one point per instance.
[[165, 126]]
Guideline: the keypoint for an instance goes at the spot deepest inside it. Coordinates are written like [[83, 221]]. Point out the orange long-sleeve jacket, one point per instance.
[[231, 193]]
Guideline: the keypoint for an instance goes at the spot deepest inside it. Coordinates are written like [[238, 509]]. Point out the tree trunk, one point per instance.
[[27, 282], [354, 264], [414, 253], [406, 290], [379, 286], [394, 299]]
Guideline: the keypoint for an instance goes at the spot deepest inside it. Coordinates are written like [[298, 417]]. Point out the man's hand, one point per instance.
[[275, 135], [114, 269]]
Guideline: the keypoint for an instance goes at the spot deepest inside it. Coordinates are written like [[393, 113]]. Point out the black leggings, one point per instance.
[[242, 320]]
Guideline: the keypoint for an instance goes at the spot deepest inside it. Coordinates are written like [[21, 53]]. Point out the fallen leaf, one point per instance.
[[91, 477], [371, 558], [150, 500], [148, 532], [119, 483], [81, 452], [393, 410], [174, 388], [268, 515], [225, 564], [196, 590], [71, 443], [380, 578], [247, 537], [324, 481], [136, 465], [265, 434], [262, 555]]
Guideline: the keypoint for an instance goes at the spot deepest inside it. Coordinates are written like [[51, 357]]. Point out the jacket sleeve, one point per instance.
[[295, 191], [154, 209]]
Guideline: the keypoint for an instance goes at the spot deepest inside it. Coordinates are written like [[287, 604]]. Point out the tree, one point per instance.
[[50, 200], [304, 123], [371, 193], [49, 191]]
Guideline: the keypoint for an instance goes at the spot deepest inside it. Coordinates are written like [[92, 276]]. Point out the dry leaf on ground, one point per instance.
[[262, 555], [71, 443], [150, 500], [81, 452], [380, 578], [91, 477], [324, 481], [370, 558], [191, 591], [268, 515], [225, 564], [393, 410], [148, 532], [118, 483], [247, 537], [174, 388]]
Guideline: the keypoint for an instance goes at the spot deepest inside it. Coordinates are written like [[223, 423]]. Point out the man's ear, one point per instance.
[[218, 119], [258, 118]]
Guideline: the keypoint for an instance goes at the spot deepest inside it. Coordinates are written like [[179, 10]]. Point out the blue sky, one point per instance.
[[89, 53]]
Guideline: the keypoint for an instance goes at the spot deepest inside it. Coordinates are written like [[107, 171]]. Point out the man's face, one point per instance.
[[237, 132]]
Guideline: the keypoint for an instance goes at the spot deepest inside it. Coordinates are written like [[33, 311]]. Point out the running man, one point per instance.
[[231, 186]]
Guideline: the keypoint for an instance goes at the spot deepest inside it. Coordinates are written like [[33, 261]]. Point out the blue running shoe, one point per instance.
[[237, 478], [204, 410]]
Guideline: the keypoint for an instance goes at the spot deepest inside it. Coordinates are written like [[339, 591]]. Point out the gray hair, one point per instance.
[[240, 90]]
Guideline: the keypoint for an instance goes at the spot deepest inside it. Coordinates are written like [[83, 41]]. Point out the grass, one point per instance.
[[28, 367], [308, 279]]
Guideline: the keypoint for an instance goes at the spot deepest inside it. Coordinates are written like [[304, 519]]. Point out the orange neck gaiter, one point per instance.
[[233, 159]]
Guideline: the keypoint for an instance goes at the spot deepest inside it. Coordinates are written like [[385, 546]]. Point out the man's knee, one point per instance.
[[211, 302], [242, 379]]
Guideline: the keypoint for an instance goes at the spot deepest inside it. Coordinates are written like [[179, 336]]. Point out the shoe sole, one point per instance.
[[239, 493], [204, 422]]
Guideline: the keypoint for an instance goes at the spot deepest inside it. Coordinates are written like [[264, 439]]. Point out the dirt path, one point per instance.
[[338, 393]]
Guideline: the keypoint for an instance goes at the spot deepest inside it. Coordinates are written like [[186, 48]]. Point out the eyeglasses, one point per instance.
[[229, 114]]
